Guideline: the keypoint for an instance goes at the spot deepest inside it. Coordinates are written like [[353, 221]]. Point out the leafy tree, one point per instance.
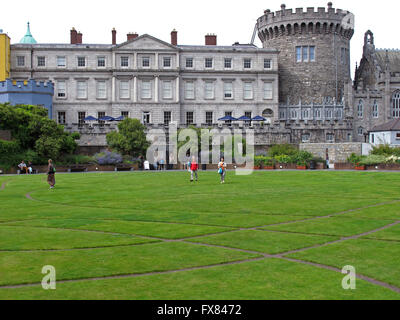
[[131, 138]]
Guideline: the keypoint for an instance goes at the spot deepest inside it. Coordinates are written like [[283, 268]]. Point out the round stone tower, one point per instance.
[[314, 45]]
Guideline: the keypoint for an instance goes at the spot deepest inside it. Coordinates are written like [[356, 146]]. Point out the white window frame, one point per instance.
[[146, 58], [187, 118], [267, 64], [248, 90], [167, 90], [79, 59], [212, 117], [228, 90], [268, 90], [59, 59], [209, 90], [41, 59], [146, 90], [247, 63], [83, 89], [58, 117], [18, 61], [165, 59], [187, 59], [167, 112], [206, 63], [61, 89], [124, 89], [146, 117], [230, 62], [124, 62], [99, 59], [190, 90], [101, 92]]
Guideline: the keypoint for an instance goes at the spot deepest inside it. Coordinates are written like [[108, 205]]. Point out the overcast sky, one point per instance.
[[231, 20]]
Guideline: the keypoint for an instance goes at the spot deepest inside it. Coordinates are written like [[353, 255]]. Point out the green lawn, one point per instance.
[[157, 236]]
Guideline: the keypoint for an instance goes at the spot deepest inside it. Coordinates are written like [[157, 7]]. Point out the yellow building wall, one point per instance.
[[5, 57]]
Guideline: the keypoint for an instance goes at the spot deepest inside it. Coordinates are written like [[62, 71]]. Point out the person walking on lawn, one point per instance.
[[194, 167], [51, 172], [222, 169]]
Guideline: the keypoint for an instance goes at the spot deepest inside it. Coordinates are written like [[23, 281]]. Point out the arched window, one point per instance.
[[396, 104], [375, 109], [360, 109], [360, 131], [268, 113]]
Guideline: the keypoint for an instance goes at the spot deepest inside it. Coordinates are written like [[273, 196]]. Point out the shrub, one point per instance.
[[108, 158], [76, 159], [372, 160], [355, 159], [269, 161], [385, 150], [282, 149], [258, 161], [284, 159], [9, 147], [303, 158]]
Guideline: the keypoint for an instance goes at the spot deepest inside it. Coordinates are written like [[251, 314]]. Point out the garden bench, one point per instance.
[[123, 168], [77, 169]]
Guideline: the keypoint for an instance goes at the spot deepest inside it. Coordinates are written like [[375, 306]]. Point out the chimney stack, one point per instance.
[[79, 38], [211, 40], [131, 36], [74, 36], [114, 36], [174, 37]]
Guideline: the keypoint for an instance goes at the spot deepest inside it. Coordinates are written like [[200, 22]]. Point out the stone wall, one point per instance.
[[337, 152]]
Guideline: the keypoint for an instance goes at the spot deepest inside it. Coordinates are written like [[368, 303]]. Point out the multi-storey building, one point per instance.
[[5, 54], [154, 81]]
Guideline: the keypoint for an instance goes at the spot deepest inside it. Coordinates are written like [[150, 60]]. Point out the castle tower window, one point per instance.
[[41, 61], [360, 109], [396, 104], [305, 54], [375, 110], [312, 53], [20, 61]]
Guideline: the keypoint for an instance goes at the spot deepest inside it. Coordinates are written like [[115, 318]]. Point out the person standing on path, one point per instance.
[[222, 169], [194, 167], [51, 172]]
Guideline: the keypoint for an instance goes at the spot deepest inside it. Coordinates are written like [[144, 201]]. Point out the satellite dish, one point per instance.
[[348, 21]]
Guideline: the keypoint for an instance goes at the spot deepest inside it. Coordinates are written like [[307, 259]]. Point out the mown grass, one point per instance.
[[113, 216]]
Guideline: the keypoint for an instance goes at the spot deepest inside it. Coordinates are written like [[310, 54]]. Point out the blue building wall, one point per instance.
[[34, 93]]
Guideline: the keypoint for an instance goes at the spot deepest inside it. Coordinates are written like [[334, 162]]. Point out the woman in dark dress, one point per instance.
[[51, 172]]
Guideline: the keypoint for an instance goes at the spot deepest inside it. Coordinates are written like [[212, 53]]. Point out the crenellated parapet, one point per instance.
[[30, 86], [287, 22]]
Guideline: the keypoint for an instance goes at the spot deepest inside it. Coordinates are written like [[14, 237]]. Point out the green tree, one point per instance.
[[131, 138]]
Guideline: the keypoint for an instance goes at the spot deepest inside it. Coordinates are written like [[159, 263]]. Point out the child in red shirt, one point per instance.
[[194, 167]]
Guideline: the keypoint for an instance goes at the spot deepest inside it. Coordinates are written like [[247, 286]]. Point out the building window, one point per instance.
[[360, 109], [124, 90], [228, 114], [375, 110], [228, 63], [360, 131], [20, 61], [329, 113], [208, 63], [167, 117], [305, 53], [268, 91], [189, 90], [101, 90], [189, 62], [228, 90], [372, 138], [249, 115], [167, 89], [101, 115], [267, 64], [248, 91], [101, 62], [146, 117], [209, 118], [306, 114], [305, 138], [82, 90], [61, 118], [41, 61], [317, 113], [282, 115], [124, 62], [330, 137], [81, 118], [81, 62], [189, 118], [396, 105], [209, 90], [293, 114], [247, 63], [349, 137], [167, 62], [397, 136], [146, 62], [125, 114], [61, 89], [146, 90], [61, 62]]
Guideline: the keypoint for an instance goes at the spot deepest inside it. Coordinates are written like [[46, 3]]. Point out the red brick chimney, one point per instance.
[[79, 38], [174, 37], [131, 36], [74, 36], [114, 36], [211, 40]]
